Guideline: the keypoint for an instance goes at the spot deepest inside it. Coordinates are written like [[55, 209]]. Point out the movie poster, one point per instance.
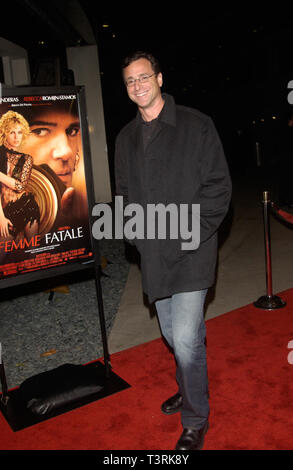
[[44, 216]]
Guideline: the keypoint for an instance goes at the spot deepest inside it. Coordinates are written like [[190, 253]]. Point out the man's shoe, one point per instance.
[[172, 405], [192, 439]]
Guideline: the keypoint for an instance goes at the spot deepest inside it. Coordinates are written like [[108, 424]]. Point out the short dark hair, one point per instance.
[[142, 55]]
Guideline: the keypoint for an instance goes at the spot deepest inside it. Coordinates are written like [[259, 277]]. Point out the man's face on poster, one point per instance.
[[54, 140]]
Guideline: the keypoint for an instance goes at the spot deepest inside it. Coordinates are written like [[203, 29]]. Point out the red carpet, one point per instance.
[[251, 389]]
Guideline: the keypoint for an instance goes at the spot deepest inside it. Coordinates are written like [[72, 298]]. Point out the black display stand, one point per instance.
[[14, 409], [19, 417]]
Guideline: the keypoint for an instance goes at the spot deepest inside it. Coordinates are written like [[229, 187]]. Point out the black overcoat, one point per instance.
[[184, 163]]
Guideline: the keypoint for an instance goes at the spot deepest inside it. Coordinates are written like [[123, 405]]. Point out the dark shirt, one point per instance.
[[148, 130]]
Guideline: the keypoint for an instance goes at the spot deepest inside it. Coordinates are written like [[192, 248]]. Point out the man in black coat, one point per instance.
[[170, 156]]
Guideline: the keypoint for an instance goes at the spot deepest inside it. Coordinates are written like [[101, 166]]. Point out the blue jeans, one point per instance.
[[182, 324]]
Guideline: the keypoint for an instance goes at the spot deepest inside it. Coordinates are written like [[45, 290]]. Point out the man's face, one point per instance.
[[54, 140], [145, 95]]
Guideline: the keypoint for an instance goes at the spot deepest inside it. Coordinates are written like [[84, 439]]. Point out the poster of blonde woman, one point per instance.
[[19, 212], [44, 184]]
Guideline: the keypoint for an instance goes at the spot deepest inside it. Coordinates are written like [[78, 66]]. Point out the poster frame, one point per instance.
[[51, 274]]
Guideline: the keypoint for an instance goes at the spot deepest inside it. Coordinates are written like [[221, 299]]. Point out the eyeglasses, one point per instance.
[[142, 79]]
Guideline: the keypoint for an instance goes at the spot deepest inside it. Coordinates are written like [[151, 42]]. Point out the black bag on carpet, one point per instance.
[[48, 391]]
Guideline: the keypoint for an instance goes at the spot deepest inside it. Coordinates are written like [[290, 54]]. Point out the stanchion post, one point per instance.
[[269, 301], [267, 239]]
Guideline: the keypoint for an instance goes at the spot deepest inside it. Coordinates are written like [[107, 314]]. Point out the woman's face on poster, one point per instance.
[[14, 136], [54, 139]]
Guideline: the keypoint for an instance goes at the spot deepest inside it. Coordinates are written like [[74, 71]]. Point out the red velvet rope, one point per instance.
[[281, 213]]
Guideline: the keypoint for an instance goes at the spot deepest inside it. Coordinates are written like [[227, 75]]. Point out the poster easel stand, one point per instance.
[[11, 404], [99, 295], [5, 395], [107, 361]]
